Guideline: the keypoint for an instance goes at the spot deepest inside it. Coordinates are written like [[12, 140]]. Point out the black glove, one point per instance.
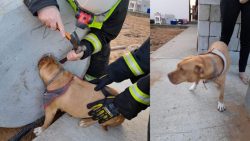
[[103, 110], [102, 82]]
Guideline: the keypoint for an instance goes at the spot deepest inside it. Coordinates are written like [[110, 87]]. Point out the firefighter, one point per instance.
[[132, 100], [106, 20]]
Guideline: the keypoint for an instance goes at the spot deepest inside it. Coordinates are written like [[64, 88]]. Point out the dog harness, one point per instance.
[[222, 56]]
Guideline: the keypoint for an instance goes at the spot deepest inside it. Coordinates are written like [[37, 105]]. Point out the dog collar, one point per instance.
[[50, 95], [57, 74], [222, 56]]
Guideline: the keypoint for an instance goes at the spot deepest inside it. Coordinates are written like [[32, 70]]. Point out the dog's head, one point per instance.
[[190, 69], [48, 66]]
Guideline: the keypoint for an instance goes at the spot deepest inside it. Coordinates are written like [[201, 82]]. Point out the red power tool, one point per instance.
[[83, 19]]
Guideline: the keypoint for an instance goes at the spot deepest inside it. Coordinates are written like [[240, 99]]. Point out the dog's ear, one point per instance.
[[199, 69]]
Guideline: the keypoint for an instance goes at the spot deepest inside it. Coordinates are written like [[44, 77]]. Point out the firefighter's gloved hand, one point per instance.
[[103, 110], [50, 17], [102, 82]]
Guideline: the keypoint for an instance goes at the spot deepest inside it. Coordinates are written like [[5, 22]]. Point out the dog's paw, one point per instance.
[[82, 123], [37, 131], [221, 107], [193, 87], [86, 122]]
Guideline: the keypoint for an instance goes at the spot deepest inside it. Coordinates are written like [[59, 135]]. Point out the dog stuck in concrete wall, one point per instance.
[[68, 93], [212, 65]]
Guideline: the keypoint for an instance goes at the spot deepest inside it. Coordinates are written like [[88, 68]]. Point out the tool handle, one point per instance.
[[62, 61], [67, 34]]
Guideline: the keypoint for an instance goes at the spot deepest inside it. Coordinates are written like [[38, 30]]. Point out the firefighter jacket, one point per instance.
[[134, 65], [101, 32]]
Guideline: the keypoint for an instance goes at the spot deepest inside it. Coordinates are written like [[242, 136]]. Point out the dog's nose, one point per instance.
[[169, 76]]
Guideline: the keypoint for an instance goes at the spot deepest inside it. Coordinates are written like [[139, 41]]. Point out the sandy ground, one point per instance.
[[134, 32], [161, 35]]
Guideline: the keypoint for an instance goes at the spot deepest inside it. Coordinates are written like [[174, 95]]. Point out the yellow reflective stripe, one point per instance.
[[138, 95], [89, 77], [98, 25], [95, 24], [93, 39], [96, 107], [73, 5], [132, 64], [100, 112], [108, 112], [112, 10]]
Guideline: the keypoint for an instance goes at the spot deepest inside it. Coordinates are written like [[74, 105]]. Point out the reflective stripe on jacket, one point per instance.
[[133, 65], [139, 95]]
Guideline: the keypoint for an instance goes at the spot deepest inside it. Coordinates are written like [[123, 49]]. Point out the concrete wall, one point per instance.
[[22, 43], [209, 28]]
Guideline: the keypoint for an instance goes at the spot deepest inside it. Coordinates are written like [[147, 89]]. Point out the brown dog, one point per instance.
[[76, 94], [212, 65]]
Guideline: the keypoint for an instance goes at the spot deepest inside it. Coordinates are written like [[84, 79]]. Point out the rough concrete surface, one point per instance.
[[67, 129], [180, 115], [23, 41]]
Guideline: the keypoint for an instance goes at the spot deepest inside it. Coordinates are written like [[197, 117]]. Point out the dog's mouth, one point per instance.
[[172, 78]]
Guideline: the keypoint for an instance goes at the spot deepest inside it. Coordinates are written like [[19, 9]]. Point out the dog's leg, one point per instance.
[[87, 122], [194, 86], [49, 115], [221, 107]]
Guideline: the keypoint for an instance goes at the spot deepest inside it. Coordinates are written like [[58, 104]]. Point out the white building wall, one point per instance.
[[179, 8], [139, 5]]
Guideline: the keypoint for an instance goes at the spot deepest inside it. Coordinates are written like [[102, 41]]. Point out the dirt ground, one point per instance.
[[134, 32], [161, 35]]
